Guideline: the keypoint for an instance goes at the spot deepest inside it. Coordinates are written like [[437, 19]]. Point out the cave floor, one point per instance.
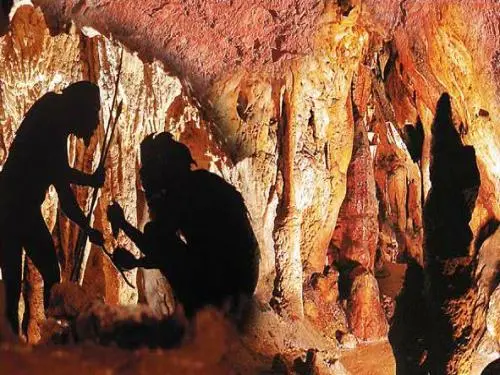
[[370, 359], [225, 354]]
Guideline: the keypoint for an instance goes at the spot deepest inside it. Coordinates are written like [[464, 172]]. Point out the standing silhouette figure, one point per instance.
[[199, 235], [38, 158]]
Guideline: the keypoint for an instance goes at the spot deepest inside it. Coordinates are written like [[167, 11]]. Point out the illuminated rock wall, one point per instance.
[[33, 63]]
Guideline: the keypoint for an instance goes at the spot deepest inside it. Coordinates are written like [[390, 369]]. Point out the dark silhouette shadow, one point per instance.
[[199, 234], [37, 159], [413, 137], [455, 184], [449, 273], [421, 334], [4, 16], [346, 277], [492, 369], [486, 231], [407, 333]]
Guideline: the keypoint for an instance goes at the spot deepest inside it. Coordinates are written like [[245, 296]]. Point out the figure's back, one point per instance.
[[37, 153], [216, 226]]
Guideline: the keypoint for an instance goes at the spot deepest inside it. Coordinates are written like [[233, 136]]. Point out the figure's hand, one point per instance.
[[116, 217], [98, 177], [123, 259], [95, 237]]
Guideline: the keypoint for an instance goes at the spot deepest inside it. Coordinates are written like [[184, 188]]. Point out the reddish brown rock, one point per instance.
[[389, 306], [347, 340], [399, 192], [200, 40], [364, 311], [487, 301], [288, 131], [284, 135], [211, 349], [493, 317], [321, 303], [436, 49], [356, 232], [68, 300]]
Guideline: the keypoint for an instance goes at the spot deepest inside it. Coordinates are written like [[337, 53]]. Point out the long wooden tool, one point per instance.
[[110, 256], [81, 243], [77, 272]]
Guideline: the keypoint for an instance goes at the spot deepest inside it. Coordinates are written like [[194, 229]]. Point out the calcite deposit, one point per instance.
[[364, 310], [321, 114], [356, 232]]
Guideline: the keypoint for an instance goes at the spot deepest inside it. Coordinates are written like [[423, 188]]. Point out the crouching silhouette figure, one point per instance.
[[38, 158], [199, 235]]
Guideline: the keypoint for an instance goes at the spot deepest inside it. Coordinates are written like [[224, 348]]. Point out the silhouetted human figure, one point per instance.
[[7, 5], [37, 159], [199, 235], [448, 209]]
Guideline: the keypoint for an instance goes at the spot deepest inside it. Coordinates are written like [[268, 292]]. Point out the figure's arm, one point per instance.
[[125, 260], [147, 262], [137, 237], [72, 210], [69, 175], [74, 176], [117, 219], [70, 206]]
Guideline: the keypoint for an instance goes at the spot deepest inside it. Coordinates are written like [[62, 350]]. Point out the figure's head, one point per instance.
[[164, 161], [81, 108]]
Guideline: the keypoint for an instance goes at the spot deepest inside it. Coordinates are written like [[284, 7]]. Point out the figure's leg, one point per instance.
[[11, 263], [40, 248]]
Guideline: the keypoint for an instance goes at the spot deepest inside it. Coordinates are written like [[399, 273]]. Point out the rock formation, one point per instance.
[[364, 311]]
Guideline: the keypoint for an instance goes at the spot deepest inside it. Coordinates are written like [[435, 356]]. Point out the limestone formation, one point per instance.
[[322, 304], [356, 232], [493, 317], [364, 311]]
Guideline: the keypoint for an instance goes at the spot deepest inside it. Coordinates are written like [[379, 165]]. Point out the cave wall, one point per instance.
[[429, 49], [307, 108], [33, 63], [295, 133], [435, 49], [256, 95]]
